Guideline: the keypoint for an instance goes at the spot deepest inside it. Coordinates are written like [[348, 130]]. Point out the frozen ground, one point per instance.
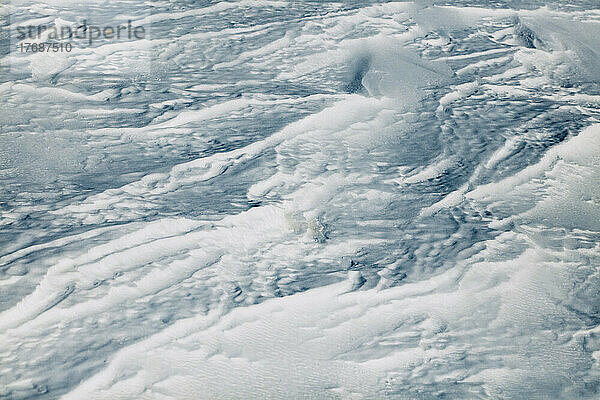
[[305, 199]]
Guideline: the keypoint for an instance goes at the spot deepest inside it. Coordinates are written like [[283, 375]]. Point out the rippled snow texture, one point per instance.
[[305, 199]]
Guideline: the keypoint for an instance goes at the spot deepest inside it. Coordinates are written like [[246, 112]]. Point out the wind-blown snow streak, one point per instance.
[[302, 200]]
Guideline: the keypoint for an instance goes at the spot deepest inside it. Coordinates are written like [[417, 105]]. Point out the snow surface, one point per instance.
[[307, 199]]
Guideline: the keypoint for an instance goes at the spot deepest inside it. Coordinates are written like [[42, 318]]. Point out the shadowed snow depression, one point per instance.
[[299, 200]]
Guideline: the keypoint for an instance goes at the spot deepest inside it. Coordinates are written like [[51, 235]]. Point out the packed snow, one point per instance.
[[301, 200]]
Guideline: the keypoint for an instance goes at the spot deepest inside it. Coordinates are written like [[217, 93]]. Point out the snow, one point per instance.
[[267, 199]]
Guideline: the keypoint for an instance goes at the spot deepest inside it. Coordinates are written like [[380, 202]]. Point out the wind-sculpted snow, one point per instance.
[[270, 199]]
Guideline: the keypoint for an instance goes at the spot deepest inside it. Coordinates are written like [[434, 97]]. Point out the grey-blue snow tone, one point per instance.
[[262, 199]]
